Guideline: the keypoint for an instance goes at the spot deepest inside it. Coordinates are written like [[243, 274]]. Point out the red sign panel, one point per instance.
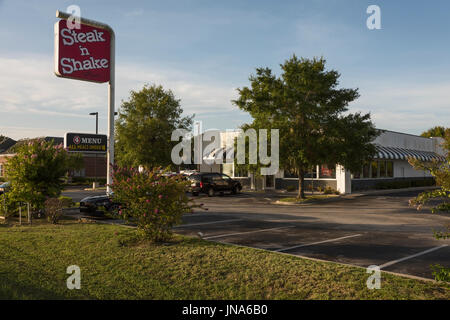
[[82, 54]]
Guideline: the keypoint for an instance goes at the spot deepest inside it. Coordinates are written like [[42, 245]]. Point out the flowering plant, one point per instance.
[[152, 198], [37, 169]]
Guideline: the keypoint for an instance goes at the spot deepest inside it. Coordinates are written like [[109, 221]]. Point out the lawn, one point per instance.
[[34, 261]]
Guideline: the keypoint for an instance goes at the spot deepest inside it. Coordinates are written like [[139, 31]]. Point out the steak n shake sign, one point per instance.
[[83, 53], [83, 142], [86, 51]]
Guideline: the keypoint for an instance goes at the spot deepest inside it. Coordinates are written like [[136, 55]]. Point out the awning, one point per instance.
[[392, 153]]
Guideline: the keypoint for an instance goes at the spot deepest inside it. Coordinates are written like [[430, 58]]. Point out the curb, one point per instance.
[[314, 201], [388, 191]]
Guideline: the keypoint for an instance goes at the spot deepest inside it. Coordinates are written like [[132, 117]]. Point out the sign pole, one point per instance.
[[111, 111], [111, 90]]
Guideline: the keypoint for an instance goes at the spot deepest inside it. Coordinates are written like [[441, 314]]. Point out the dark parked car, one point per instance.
[[92, 204], [212, 183]]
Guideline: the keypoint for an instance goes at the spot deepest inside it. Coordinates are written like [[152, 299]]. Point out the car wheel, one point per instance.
[[211, 192], [234, 190], [195, 194]]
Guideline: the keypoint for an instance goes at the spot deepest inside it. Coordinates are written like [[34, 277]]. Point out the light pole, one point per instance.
[[96, 120], [95, 160]]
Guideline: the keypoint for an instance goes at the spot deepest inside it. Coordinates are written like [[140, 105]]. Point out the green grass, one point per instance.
[[34, 261], [311, 198]]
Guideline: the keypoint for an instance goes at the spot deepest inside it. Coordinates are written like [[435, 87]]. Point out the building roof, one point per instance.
[[9, 145], [6, 144]]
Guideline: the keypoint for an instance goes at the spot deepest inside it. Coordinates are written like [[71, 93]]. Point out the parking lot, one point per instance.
[[361, 231]]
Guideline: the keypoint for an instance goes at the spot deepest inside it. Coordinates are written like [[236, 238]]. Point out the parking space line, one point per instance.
[[238, 233], [205, 223], [318, 242], [390, 263]]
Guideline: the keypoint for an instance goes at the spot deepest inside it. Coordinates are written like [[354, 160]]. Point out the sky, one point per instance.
[[203, 50]]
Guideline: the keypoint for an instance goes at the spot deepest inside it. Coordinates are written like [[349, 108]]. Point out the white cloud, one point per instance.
[[405, 106], [134, 13], [28, 86]]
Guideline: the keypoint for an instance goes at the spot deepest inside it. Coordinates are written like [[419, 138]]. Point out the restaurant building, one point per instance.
[[389, 168]]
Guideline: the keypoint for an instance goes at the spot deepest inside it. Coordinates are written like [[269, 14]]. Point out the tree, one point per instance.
[[440, 170], [35, 171], [145, 125], [308, 109], [437, 131]]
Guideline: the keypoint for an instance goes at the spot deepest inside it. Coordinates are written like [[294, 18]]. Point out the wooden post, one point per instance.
[[29, 214]]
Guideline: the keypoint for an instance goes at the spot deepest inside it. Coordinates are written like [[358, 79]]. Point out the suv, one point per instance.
[[92, 204], [212, 183]]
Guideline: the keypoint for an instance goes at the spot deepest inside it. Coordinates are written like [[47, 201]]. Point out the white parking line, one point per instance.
[[390, 263], [237, 233], [204, 223], [318, 242]]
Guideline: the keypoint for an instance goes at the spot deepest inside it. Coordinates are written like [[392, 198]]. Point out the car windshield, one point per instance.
[[194, 177]]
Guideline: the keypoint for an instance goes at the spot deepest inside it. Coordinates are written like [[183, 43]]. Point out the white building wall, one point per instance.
[[402, 169], [405, 141]]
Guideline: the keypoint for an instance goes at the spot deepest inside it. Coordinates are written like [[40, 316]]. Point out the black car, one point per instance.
[[92, 204], [212, 183]]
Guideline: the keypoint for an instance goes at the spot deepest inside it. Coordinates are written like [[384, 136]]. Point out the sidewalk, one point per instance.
[[277, 194], [387, 191]]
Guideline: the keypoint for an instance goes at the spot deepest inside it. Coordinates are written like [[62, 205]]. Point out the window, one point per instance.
[[356, 175], [290, 174], [374, 169], [382, 166], [366, 171], [225, 177], [312, 173], [240, 171], [390, 169], [327, 173]]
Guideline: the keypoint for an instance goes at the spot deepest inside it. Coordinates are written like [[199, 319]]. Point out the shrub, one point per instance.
[[156, 202], [328, 190], [53, 209], [67, 202], [37, 169], [87, 181], [291, 188]]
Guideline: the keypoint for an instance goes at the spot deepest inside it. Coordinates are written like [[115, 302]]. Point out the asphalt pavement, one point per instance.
[[360, 230]]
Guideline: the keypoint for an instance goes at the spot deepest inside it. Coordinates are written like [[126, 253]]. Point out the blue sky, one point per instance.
[[204, 50]]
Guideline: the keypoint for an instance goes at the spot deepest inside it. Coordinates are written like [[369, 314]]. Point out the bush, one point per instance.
[[87, 181], [53, 209], [152, 200], [329, 190], [291, 188], [67, 202], [37, 169]]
